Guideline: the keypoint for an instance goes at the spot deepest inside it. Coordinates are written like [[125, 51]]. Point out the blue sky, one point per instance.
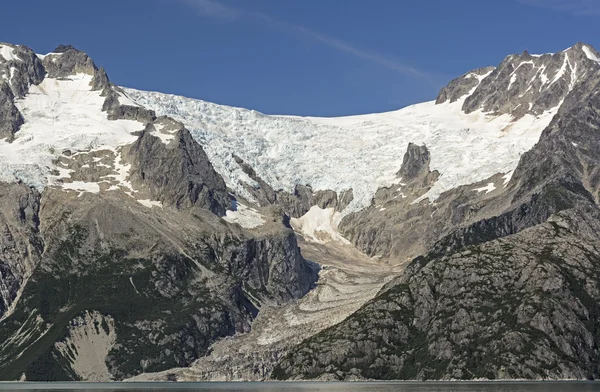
[[309, 57]]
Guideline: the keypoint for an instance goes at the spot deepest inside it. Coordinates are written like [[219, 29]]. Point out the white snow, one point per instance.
[[589, 54], [163, 135], [51, 54], [149, 203], [133, 284], [317, 225], [360, 152], [8, 53], [488, 188], [59, 115], [543, 76], [562, 70], [513, 77], [245, 216], [122, 174], [507, 177], [82, 186], [124, 99]]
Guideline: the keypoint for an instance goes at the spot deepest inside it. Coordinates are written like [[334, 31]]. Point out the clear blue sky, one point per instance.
[[309, 57]]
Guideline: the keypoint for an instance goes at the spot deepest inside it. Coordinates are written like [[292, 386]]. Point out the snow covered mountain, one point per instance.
[[471, 131], [154, 236]]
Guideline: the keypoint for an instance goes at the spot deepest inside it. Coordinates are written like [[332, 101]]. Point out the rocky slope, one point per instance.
[[524, 306]]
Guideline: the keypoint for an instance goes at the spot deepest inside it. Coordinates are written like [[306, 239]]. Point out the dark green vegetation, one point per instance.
[[185, 323]]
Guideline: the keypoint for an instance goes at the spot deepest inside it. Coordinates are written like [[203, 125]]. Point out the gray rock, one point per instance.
[[178, 174], [10, 117], [20, 244], [461, 86], [524, 84], [116, 111], [297, 203], [415, 165], [72, 61], [25, 71]]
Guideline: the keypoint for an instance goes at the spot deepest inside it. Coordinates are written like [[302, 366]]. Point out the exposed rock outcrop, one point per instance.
[[463, 85], [177, 173], [10, 117], [20, 244], [524, 84], [297, 203], [67, 60]]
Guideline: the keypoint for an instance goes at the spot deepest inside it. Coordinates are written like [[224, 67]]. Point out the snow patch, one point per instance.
[[318, 225], [244, 216], [124, 99], [8, 53], [507, 177], [53, 56], [488, 188], [589, 54], [81, 186], [561, 71], [163, 135], [133, 284], [513, 77], [150, 203]]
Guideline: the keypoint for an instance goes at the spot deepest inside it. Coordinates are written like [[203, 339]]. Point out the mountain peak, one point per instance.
[[64, 48], [526, 83]]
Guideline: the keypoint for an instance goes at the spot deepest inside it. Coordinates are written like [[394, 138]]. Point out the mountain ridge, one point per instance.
[[172, 224]]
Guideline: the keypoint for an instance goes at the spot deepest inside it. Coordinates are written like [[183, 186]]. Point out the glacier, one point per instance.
[[362, 152]]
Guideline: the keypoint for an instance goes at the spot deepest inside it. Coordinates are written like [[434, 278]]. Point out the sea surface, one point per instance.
[[566, 386]]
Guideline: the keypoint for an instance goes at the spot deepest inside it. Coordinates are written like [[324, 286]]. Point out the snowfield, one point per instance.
[[60, 115], [360, 152]]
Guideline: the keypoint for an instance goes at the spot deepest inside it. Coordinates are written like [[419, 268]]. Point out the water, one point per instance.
[[310, 386]]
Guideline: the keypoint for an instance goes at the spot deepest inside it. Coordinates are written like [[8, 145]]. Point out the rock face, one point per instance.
[[65, 61], [19, 71], [382, 229], [177, 173], [22, 70], [415, 165], [20, 242], [463, 85], [10, 117]]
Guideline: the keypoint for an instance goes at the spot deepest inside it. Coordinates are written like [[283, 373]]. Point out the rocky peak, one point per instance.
[[524, 84], [415, 162], [19, 68], [177, 173], [66, 60], [463, 85]]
